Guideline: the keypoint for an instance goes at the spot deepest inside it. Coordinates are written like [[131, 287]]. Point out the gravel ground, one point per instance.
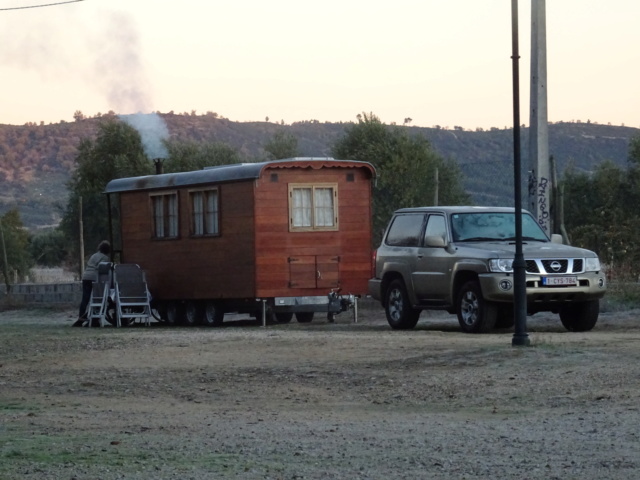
[[339, 400]]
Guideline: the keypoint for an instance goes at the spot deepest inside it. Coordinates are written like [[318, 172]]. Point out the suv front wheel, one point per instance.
[[475, 314], [400, 314], [580, 316]]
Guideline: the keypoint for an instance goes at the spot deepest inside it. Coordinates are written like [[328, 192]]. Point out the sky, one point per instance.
[[437, 62]]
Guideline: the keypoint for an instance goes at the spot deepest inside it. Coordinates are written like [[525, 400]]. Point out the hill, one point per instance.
[[36, 160]]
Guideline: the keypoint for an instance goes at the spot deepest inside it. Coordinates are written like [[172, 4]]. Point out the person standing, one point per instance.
[[89, 276]]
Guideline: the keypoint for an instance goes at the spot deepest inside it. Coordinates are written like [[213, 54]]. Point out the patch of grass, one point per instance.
[[621, 295], [544, 341], [14, 405], [134, 454], [84, 450], [11, 302]]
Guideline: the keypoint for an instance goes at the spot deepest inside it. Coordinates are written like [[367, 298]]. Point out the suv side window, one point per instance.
[[436, 226], [405, 231]]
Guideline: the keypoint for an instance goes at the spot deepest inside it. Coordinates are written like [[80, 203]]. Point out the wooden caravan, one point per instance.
[[281, 236]]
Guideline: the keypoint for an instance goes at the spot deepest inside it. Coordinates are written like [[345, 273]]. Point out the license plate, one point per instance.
[[559, 281]]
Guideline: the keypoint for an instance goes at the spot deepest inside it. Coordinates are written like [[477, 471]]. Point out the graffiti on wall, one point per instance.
[[539, 200], [543, 215]]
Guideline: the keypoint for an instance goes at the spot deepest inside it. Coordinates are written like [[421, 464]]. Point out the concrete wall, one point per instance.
[[51, 275], [44, 294]]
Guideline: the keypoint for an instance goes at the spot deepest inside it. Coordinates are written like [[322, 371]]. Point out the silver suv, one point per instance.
[[459, 259]]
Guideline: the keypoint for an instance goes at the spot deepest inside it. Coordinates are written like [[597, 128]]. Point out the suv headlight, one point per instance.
[[503, 265], [592, 264]]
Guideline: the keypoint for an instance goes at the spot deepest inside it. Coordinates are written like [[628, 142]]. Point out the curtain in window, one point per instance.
[[198, 214], [301, 211], [323, 201], [158, 216], [211, 219], [172, 209]]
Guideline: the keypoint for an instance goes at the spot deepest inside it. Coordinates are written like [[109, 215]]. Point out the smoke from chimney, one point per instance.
[[153, 131], [102, 50], [118, 61]]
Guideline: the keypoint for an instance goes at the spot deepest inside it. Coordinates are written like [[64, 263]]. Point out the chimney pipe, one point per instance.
[[158, 163]]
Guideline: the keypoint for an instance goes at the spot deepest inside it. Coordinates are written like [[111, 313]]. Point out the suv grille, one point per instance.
[[555, 265]]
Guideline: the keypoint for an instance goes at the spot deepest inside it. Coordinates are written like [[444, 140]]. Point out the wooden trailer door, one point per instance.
[[314, 271], [328, 271]]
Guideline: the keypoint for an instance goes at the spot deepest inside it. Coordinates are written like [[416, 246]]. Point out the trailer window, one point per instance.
[[165, 215], [204, 212], [313, 207]]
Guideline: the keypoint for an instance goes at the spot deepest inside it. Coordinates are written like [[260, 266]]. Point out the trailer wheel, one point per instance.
[[284, 317], [194, 313], [213, 315], [159, 311], [304, 317], [175, 313]]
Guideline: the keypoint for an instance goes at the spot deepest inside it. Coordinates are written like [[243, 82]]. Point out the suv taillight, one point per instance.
[[374, 257]]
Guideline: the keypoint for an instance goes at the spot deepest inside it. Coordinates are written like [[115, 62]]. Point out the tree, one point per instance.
[[634, 172], [14, 244], [634, 151], [49, 249], [187, 156], [282, 145], [602, 213], [116, 152], [405, 165]]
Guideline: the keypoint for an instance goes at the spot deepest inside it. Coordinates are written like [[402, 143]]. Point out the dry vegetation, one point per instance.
[[317, 400], [36, 160]]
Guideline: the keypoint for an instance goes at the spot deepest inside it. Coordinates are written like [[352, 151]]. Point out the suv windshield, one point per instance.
[[487, 226]]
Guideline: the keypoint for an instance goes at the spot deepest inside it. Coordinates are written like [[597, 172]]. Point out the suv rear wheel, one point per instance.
[[580, 316], [475, 314], [400, 314]]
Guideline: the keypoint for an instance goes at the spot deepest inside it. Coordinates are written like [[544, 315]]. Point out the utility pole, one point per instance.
[[436, 188], [520, 337], [540, 179], [5, 264], [81, 230]]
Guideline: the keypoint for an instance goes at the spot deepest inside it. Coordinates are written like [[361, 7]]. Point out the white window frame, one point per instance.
[[165, 214], [313, 207], [205, 212]]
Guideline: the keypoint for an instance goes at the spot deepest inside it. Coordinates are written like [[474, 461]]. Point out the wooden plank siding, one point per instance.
[[255, 255], [194, 267], [275, 244]]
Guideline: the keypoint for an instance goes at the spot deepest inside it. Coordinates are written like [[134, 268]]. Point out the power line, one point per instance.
[[40, 6]]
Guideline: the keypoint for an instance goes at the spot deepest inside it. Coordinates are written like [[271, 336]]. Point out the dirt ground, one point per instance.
[[317, 401]]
